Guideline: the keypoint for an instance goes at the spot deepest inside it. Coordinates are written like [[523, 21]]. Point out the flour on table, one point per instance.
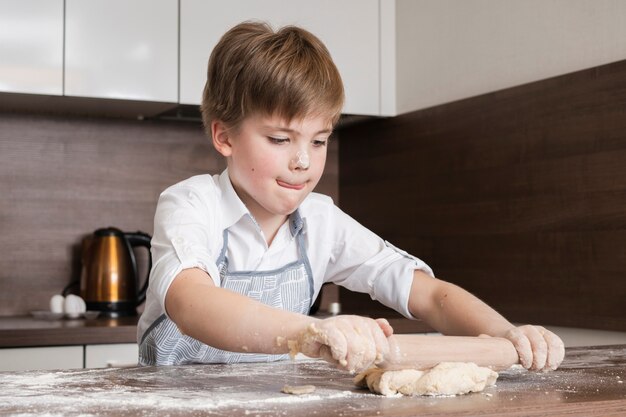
[[446, 378]]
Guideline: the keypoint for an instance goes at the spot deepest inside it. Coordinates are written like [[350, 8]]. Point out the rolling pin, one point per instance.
[[423, 352]]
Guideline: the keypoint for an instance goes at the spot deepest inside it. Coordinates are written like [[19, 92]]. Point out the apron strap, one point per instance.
[[220, 260], [296, 226]]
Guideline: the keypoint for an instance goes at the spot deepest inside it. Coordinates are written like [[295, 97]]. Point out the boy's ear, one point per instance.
[[220, 137]]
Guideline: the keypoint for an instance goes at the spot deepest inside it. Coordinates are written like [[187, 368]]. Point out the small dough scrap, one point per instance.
[[298, 389], [446, 378]]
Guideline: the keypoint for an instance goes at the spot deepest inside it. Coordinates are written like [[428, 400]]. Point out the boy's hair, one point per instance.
[[255, 70]]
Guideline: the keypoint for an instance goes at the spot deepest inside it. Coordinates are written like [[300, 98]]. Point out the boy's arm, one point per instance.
[[454, 311], [233, 322]]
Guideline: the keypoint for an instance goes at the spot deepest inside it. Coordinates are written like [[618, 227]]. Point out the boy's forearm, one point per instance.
[[227, 320], [452, 310]]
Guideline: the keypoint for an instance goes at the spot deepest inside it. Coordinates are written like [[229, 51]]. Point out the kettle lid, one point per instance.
[[108, 231]]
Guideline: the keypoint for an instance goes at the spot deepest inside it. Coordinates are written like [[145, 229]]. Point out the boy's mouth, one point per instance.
[[291, 186]]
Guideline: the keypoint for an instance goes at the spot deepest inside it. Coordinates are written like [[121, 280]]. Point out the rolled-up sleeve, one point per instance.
[[361, 261], [184, 237]]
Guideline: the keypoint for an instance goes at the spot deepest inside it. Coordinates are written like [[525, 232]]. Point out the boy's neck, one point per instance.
[[270, 226]]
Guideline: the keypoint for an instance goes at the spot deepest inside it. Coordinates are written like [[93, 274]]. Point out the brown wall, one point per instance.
[[63, 177], [519, 196]]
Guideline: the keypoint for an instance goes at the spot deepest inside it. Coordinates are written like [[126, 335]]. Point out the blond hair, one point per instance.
[[287, 73]]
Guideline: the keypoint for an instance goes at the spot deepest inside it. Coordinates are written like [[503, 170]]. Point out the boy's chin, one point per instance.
[[288, 209]]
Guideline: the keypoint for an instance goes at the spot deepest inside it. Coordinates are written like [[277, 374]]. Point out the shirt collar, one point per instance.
[[296, 223], [234, 207]]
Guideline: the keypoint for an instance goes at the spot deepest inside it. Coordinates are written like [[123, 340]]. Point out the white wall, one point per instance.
[[453, 49]]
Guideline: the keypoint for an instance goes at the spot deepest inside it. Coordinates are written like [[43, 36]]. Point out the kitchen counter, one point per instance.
[[25, 331], [589, 383]]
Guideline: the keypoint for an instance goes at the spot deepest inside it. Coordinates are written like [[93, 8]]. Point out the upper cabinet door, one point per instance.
[[31, 46], [349, 28], [122, 49]]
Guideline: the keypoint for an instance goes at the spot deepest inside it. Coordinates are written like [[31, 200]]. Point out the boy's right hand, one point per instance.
[[352, 343]]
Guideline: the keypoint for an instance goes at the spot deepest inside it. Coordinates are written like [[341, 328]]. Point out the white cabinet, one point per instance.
[[349, 28], [122, 49], [115, 355], [119, 355], [41, 358], [31, 46], [395, 56], [125, 50]]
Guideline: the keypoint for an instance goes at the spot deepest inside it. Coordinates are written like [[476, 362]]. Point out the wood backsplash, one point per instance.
[[518, 196], [63, 177]]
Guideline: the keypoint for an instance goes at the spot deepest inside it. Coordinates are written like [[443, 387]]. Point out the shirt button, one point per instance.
[[179, 240]]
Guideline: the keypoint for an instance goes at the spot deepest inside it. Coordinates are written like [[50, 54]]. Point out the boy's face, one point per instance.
[[263, 162]]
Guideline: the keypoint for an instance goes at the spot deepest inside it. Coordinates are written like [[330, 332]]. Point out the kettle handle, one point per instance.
[[141, 239]]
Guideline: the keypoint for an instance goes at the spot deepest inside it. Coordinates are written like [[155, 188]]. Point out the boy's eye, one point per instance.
[[319, 143], [278, 140]]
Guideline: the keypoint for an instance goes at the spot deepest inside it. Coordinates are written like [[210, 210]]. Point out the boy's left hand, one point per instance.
[[538, 348]]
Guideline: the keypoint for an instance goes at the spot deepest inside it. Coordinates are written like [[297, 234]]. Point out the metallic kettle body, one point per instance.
[[109, 281]]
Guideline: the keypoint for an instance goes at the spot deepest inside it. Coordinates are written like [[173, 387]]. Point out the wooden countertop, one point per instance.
[[589, 383], [25, 331]]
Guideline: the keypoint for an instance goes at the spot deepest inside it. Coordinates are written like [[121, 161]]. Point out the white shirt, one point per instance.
[[188, 233]]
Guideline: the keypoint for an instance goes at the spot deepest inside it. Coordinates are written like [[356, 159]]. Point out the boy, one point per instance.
[[238, 258]]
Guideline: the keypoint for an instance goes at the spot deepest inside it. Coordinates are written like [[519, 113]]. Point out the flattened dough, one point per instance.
[[446, 378], [298, 389]]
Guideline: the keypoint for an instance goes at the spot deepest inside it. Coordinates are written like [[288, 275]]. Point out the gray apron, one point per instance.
[[288, 288]]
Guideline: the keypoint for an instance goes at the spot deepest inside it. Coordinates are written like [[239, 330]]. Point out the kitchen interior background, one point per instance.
[[440, 128]]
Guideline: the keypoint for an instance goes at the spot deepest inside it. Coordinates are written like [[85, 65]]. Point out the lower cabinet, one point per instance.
[[68, 357], [111, 356], [41, 358]]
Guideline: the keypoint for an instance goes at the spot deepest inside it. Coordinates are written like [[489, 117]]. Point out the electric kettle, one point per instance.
[[109, 281]]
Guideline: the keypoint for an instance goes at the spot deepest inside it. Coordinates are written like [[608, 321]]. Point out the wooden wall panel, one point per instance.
[[62, 177], [518, 196]]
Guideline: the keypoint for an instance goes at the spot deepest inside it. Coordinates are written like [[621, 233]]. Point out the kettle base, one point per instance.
[[113, 309]]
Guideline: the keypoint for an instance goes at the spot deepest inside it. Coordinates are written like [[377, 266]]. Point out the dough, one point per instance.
[[298, 389], [446, 378]]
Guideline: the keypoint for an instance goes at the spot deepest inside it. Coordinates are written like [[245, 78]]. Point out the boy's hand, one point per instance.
[[352, 343], [538, 348]]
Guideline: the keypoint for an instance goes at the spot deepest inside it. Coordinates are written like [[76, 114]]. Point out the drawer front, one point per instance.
[[41, 358]]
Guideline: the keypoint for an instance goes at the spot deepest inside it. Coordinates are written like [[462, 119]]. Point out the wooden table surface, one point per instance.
[[590, 383]]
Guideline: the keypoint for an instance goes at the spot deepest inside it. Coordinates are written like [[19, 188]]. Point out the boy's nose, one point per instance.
[[300, 160]]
